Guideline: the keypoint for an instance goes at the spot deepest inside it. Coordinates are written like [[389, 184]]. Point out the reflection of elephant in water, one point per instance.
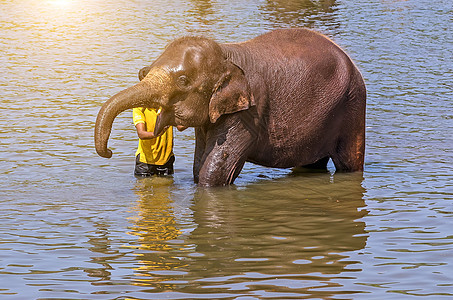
[[265, 237], [288, 98], [267, 225], [307, 12]]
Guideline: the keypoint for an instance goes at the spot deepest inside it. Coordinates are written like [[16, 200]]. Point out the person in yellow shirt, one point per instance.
[[154, 155]]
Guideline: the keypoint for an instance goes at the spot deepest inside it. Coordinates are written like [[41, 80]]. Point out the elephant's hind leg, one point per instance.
[[349, 156], [349, 152]]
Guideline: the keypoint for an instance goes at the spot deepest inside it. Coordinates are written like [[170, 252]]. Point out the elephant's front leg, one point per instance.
[[228, 143], [200, 146]]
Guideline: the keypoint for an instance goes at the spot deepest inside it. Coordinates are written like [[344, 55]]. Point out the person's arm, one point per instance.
[[142, 133], [181, 128]]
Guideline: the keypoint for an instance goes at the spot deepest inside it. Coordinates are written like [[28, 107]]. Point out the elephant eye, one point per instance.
[[183, 81]]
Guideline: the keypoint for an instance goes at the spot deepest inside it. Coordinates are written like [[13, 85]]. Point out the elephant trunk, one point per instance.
[[141, 94]]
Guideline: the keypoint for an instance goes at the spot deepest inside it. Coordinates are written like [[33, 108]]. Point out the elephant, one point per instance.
[[288, 98]]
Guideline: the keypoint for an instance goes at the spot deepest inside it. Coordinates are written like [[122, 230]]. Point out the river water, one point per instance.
[[77, 226]]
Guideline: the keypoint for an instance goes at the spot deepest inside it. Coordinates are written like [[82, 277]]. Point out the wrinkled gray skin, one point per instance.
[[288, 98]]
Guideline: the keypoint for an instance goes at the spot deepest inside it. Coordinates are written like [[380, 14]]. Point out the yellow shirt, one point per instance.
[[155, 151]]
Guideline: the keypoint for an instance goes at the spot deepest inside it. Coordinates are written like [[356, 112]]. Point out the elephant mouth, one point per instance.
[[165, 118]]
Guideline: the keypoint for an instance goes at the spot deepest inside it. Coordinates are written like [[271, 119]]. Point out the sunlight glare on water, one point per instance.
[[61, 3], [77, 226]]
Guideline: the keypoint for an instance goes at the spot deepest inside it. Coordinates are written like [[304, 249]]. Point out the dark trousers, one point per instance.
[[146, 170]]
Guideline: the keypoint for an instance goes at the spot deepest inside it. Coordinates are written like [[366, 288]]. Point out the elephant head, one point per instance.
[[192, 83]]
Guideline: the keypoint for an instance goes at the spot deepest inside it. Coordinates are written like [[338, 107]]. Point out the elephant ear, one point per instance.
[[143, 72], [231, 93]]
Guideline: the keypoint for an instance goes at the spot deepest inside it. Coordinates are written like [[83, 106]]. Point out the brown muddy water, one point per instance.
[[77, 226]]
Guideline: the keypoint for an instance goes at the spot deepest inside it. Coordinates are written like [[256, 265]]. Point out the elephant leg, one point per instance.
[[228, 143], [349, 155], [200, 146], [349, 152]]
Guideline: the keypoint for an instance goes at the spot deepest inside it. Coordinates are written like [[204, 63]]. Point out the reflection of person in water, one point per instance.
[[155, 226], [154, 155]]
